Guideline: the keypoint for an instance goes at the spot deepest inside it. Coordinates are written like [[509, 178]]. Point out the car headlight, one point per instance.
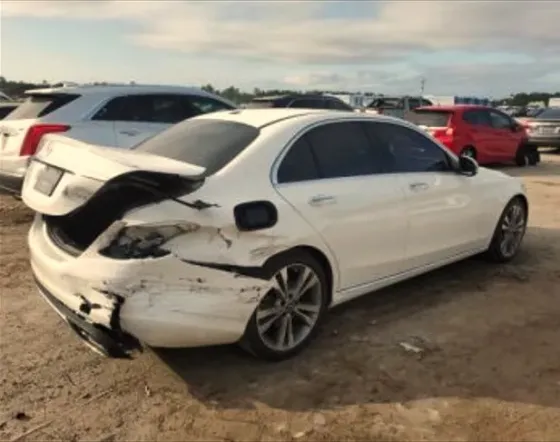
[[138, 242]]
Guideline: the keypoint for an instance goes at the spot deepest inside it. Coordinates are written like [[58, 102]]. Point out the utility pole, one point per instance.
[[422, 84]]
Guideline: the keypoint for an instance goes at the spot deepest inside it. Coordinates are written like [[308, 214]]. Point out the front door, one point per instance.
[[441, 206]]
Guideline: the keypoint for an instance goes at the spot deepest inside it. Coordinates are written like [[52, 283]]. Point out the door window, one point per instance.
[[298, 164], [309, 103], [166, 109], [342, 150], [206, 104], [477, 118], [409, 150], [337, 105], [500, 121]]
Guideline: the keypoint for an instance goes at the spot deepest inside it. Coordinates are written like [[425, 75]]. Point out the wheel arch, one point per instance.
[[323, 260]]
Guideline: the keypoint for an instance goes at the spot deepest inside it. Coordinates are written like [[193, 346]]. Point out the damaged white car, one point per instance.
[[246, 226]]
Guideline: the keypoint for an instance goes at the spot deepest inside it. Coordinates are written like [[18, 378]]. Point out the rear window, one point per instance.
[[430, 118], [39, 105], [207, 143], [552, 113]]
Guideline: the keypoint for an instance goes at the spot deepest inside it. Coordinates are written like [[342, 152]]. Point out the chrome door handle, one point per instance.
[[317, 200], [418, 186], [130, 133]]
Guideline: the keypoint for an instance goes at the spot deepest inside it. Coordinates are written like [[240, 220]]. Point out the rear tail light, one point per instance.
[[34, 135], [445, 132]]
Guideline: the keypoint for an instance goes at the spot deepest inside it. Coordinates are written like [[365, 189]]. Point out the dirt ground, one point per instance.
[[489, 369]]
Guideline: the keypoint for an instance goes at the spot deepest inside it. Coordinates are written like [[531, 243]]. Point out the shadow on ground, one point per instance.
[[487, 330]]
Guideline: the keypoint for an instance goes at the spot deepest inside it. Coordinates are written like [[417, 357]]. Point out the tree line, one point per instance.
[[16, 89]]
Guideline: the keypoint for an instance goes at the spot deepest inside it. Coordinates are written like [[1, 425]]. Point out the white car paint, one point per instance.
[[78, 115], [404, 225]]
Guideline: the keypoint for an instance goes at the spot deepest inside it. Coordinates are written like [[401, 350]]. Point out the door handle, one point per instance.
[[318, 200], [130, 133], [418, 186]]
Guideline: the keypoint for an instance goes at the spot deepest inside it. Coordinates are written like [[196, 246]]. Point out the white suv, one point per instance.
[[113, 116]]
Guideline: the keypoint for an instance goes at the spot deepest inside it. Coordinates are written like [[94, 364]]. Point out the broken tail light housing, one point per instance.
[[34, 135], [140, 242]]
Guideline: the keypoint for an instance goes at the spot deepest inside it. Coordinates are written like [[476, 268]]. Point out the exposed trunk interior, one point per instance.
[[76, 231]]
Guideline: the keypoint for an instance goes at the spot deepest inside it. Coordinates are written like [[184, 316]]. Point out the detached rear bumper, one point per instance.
[[111, 343]]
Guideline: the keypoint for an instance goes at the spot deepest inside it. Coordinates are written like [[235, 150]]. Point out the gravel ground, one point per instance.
[[488, 370]]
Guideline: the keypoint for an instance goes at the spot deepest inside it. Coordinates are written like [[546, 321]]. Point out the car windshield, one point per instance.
[[550, 113], [209, 143]]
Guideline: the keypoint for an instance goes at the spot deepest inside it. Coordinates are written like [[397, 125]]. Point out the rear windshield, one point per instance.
[[260, 104], [430, 118], [39, 105], [207, 143], [553, 113]]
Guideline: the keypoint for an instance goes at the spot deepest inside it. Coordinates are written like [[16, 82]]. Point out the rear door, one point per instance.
[[333, 177], [442, 209]]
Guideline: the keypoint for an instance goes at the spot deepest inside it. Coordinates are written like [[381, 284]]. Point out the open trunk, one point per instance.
[[80, 190]]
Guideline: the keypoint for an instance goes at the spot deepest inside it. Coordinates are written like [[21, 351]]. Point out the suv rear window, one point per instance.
[[39, 105], [430, 118], [207, 143]]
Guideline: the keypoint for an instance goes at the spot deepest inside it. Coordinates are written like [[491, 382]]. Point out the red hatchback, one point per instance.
[[481, 132]]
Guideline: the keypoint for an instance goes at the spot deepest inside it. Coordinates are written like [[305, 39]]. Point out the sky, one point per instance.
[[483, 48]]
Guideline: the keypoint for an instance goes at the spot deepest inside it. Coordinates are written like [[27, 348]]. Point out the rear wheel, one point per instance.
[[288, 315], [526, 156], [509, 232], [469, 151]]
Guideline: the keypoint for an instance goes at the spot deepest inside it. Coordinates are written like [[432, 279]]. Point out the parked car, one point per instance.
[[544, 129], [485, 134], [302, 101], [246, 226], [115, 116], [6, 107], [400, 107]]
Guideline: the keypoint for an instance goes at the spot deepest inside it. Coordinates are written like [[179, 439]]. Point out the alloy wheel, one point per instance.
[[512, 229], [289, 312]]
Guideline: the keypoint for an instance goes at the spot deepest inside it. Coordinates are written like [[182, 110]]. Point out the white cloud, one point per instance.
[[295, 36]]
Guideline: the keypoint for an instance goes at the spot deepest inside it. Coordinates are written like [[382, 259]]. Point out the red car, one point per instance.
[[481, 132]]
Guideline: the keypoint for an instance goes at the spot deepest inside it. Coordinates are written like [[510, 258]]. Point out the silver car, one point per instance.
[[544, 129]]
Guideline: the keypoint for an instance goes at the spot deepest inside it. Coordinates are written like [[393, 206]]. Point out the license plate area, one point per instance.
[[47, 179]]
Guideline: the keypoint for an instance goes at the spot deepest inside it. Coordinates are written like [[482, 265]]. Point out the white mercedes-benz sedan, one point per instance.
[[246, 226]]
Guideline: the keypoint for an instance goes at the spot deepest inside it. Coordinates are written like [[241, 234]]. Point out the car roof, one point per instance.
[[453, 107], [260, 118], [121, 89]]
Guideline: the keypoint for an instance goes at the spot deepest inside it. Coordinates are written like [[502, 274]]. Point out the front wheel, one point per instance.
[[288, 315], [509, 232]]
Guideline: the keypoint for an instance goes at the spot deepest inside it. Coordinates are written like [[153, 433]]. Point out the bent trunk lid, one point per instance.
[[66, 173]]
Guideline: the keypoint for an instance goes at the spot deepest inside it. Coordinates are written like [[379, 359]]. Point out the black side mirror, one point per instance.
[[468, 166]]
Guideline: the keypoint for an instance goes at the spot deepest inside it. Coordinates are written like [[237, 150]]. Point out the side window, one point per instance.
[[206, 104], [343, 150], [308, 103], [167, 109], [477, 117], [298, 164], [500, 121], [111, 111], [425, 102], [410, 151], [413, 103], [337, 105]]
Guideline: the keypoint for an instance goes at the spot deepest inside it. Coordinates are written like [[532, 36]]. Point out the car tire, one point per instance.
[[524, 156], [267, 335], [469, 151], [534, 156], [512, 220]]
